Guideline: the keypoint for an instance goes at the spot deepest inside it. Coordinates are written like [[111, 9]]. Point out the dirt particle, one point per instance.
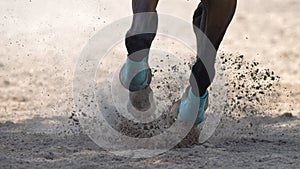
[[287, 115]]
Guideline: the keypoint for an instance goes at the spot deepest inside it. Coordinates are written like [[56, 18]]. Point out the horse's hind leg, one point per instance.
[[210, 20], [143, 29]]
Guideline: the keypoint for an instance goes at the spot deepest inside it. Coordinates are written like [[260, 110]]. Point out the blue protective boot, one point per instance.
[[190, 104], [134, 75]]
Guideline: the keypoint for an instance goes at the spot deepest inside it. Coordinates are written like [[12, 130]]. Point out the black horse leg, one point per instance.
[[143, 29], [210, 20]]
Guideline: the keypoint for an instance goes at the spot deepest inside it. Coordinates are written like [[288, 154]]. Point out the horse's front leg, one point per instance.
[[135, 74], [143, 29], [218, 15], [210, 20], [139, 6]]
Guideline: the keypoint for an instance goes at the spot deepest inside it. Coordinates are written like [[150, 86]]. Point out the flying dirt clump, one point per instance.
[[251, 90]]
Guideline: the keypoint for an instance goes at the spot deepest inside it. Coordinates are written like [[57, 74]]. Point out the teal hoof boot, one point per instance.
[[135, 76], [191, 104]]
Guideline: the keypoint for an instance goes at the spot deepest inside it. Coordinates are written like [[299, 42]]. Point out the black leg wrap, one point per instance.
[[141, 34], [199, 79], [137, 43]]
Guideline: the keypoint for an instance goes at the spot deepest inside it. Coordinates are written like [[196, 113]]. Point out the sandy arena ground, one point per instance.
[[42, 40]]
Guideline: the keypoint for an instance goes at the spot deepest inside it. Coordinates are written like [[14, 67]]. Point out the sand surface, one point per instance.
[[42, 40]]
